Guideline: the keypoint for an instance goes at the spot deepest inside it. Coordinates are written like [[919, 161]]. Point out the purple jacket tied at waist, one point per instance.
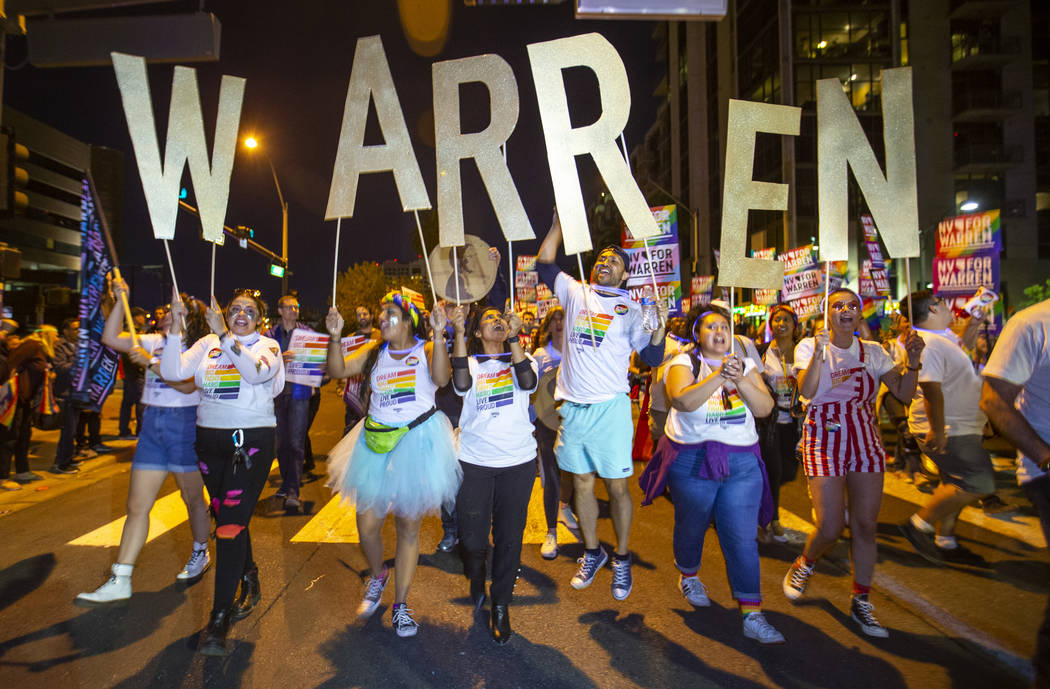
[[715, 467]]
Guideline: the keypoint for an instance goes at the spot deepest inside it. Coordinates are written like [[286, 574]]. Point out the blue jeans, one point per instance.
[[733, 502], [292, 419]]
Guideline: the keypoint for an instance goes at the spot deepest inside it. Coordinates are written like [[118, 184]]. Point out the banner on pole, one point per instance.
[[95, 366], [967, 258]]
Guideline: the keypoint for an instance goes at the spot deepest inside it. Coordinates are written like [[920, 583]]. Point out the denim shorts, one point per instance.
[[166, 440]]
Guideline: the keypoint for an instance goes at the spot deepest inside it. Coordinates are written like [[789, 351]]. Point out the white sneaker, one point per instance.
[[196, 566], [796, 579], [117, 588], [549, 549], [756, 627], [373, 595], [566, 517], [694, 591]]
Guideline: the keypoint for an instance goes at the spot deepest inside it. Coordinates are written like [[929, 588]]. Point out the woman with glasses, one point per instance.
[[238, 372], [401, 457], [842, 455], [165, 445], [710, 460]]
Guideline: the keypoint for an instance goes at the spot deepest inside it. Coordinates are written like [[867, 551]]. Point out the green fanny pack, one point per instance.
[[381, 438]]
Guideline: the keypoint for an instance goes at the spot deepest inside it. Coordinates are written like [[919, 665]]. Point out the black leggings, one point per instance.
[[496, 499], [233, 492], [549, 472], [778, 453]]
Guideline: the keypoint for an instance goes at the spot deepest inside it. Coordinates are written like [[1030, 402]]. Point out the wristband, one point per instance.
[[915, 368], [225, 334]]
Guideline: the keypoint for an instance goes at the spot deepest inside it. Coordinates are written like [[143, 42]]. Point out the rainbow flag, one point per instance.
[[8, 401]]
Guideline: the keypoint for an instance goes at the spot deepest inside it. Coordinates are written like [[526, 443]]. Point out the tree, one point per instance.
[[1033, 294], [362, 284]]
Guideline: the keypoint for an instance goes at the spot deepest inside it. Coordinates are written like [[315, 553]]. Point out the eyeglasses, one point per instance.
[[845, 306], [248, 311]]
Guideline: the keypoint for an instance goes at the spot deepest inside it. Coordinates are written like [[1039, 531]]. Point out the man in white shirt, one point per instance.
[[947, 422], [1016, 398], [602, 327]]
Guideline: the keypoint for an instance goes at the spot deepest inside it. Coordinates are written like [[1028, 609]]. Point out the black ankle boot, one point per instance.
[[501, 632], [214, 641], [250, 594], [477, 593]]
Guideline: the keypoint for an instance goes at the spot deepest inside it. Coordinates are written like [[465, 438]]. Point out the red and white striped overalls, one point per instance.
[[840, 434]]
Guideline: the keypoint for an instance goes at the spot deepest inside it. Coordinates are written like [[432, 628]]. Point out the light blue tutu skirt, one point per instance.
[[417, 477]]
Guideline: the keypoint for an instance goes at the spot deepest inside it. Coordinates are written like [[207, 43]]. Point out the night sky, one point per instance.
[[297, 58]]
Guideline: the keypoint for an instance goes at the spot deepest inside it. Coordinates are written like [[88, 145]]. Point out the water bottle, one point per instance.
[[650, 317]]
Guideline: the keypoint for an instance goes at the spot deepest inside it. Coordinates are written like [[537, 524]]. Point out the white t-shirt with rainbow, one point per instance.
[[495, 429]]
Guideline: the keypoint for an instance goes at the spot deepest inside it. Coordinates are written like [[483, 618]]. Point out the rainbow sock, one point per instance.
[[749, 606]]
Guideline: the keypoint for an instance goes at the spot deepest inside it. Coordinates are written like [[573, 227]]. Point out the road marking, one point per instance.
[[167, 513], [536, 521], [1011, 524], [335, 523], [937, 616]]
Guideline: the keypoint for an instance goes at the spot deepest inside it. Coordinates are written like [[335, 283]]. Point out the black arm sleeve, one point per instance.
[[526, 376], [461, 377], [548, 273], [653, 354]]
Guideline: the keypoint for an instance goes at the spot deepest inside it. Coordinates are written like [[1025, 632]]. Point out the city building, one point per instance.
[[981, 114]]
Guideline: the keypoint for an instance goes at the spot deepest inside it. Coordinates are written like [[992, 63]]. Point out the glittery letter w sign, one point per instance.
[[185, 143]]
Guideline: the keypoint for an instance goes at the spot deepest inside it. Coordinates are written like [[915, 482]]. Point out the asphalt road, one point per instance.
[[951, 626]]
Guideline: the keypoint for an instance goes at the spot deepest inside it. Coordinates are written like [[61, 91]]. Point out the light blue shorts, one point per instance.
[[596, 438], [166, 440]]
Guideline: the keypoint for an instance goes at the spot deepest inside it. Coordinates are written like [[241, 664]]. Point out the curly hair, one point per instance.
[[196, 325], [543, 334]]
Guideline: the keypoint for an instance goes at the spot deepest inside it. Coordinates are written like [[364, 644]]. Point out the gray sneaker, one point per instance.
[[758, 628], [404, 625]]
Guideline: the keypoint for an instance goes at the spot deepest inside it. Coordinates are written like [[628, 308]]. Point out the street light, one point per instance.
[[969, 205], [251, 143]]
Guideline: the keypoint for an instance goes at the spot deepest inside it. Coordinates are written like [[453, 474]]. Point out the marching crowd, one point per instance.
[[444, 414]]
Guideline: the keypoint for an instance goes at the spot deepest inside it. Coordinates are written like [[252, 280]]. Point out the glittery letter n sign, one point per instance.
[[742, 193], [598, 139], [893, 198], [185, 142], [370, 78], [453, 146]]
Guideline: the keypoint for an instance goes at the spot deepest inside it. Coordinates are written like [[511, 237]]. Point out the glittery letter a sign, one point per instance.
[[893, 198], [598, 139], [742, 193], [453, 146], [185, 142], [370, 78]]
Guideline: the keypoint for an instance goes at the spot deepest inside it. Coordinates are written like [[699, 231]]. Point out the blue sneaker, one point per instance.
[[589, 566], [622, 581]]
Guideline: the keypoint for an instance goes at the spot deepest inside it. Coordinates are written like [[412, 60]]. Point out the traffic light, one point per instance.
[[243, 232], [13, 175]]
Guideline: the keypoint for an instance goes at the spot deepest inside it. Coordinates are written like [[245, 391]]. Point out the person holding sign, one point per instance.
[[603, 327], [842, 455], [497, 453], [239, 372], [401, 458], [710, 460], [165, 445]]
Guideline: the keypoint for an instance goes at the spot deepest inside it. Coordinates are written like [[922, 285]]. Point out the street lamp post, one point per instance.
[[252, 143]]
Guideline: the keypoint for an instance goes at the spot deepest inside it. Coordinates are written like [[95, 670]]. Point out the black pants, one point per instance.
[[89, 429], [308, 448], [70, 417], [15, 441], [496, 499], [778, 453], [1038, 491], [129, 402], [549, 472], [234, 492]]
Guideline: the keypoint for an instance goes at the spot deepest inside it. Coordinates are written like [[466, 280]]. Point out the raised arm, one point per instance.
[[809, 377], [255, 367], [548, 252], [461, 378], [174, 363], [113, 335], [524, 369], [352, 364], [437, 352], [754, 392]]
